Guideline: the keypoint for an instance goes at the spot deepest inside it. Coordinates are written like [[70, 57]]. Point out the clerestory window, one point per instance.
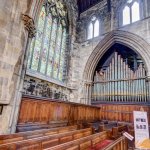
[[131, 12], [93, 28]]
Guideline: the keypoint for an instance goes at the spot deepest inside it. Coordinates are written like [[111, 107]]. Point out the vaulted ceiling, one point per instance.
[[83, 5]]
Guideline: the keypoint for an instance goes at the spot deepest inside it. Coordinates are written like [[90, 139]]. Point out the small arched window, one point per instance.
[[47, 50], [126, 15], [135, 12], [96, 28], [90, 31], [93, 28], [131, 12]]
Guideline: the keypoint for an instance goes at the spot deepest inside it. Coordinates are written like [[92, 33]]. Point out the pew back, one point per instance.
[[47, 141], [83, 143], [117, 131], [33, 134]]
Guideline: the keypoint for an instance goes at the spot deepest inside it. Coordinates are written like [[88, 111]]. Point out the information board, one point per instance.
[[141, 130]]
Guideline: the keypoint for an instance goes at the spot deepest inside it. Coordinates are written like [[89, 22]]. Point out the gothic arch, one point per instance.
[[128, 39]]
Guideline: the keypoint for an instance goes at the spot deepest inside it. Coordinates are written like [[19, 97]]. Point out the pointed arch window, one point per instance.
[[131, 12], [96, 28], [135, 12], [48, 49], [93, 28], [90, 31], [126, 15]]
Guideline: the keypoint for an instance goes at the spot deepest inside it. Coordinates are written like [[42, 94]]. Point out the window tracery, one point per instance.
[[47, 49], [93, 28], [131, 12]]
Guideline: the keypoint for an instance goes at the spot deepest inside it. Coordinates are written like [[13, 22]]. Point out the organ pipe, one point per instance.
[[119, 83]]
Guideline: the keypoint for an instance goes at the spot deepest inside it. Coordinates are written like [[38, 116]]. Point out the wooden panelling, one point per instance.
[[122, 113], [46, 112], [33, 111]]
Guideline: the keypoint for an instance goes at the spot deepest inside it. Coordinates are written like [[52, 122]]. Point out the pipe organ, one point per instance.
[[119, 83]]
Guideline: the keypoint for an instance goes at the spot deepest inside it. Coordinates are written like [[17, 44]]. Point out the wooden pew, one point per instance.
[[85, 143], [37, 126], [46, 141], [33, 134], [106, 127], [119, 144], [117, 131]]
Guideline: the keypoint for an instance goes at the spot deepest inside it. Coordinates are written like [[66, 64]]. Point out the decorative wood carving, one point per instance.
[[29, 25]]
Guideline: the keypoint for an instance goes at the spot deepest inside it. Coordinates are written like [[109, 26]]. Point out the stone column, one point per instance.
[[87, 93], [148, 88], [90, 93]]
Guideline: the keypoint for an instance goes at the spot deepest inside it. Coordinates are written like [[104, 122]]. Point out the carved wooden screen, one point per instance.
[[119, 83]]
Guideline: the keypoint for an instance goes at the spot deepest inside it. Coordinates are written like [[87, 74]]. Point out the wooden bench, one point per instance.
[[37, 126], [85, 143], [33, 134], [47, 141]]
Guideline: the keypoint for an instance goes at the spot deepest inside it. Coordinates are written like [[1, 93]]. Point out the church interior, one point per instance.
[[74, 74]]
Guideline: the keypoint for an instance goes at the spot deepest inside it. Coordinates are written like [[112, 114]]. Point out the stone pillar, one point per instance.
[[13, 40], [90, 94], [148, 88], [87, 93]]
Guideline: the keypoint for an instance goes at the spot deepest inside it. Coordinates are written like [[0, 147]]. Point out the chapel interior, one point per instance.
[[73, 73]]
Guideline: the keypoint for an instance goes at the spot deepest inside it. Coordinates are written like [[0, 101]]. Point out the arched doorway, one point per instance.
[[120, 76]]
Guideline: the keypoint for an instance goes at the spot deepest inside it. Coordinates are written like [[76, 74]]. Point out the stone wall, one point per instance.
[[109, 22], [14, 52], [12, 45]]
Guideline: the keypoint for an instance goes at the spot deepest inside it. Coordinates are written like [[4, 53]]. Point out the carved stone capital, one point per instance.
[[29, 25]]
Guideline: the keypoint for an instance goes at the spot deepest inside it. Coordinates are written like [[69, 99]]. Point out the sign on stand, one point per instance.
[[141, 129]]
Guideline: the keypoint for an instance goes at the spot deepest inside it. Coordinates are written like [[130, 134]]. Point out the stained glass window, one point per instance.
[[62, 58], [131, 12], [38, 40], [47, 49]]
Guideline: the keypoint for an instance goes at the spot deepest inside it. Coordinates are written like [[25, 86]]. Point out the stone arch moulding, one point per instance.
[[135, 42]]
